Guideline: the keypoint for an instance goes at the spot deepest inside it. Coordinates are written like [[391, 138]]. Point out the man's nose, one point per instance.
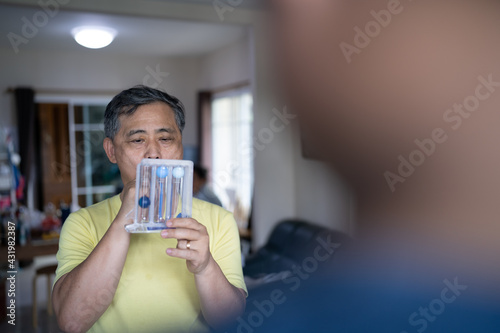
[[153, 151]]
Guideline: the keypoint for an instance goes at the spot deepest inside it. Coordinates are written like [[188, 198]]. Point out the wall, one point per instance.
[[226, 66], [93, 71], [321, 195], [286, 185]]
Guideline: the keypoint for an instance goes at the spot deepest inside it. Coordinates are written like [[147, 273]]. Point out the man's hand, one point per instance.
[[221, 302], [189, 231], [125, 214]]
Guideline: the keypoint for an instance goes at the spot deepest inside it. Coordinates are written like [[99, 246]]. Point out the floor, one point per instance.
[[24, 322]]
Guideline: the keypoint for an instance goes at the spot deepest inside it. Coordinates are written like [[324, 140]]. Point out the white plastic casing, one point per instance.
[[164, 190]]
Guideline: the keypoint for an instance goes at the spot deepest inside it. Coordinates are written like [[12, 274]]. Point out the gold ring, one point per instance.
[[188, 245]]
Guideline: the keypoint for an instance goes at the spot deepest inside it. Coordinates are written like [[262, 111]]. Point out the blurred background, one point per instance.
[[212, 55]]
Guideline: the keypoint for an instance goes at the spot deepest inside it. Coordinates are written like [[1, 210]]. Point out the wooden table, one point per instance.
[[31, 250]]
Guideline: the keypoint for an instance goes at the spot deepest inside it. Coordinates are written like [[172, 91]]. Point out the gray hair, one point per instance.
[[127, 102]]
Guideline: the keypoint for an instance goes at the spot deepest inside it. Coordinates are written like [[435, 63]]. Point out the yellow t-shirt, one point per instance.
[[156, 292]]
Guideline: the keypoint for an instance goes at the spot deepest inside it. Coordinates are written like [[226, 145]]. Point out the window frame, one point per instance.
[[72, 101]]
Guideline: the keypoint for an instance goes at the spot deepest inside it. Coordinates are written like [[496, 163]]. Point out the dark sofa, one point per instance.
[[290, 245], [296, 253]]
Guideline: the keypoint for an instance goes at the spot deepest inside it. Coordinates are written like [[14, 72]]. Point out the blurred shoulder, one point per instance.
[[206, 209]]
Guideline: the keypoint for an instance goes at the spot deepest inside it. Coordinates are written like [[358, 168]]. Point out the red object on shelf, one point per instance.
[[51, 223]]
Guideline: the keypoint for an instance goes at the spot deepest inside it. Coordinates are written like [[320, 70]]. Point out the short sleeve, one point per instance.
[[226, 249], [76, 242]]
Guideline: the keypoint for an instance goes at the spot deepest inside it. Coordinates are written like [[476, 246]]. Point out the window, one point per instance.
[[93, 177], [79, 161], [232, 156]]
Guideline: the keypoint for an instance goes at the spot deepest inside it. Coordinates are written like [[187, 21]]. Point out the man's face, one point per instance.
[[150, 132]]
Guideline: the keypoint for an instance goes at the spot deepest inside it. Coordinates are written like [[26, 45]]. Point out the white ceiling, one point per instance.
[[250, 4], [136, 35]]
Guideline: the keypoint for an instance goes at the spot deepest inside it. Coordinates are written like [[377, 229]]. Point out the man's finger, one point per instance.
[[180, 233], [182, 254], [184, 223]]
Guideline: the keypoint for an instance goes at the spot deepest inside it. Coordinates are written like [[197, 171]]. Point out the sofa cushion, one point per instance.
[[290, 243]]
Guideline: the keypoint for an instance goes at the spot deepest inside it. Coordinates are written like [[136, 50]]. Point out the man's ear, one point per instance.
[[109, 148]]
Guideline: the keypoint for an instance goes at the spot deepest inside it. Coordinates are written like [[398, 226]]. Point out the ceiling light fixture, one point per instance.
[[93, 37]]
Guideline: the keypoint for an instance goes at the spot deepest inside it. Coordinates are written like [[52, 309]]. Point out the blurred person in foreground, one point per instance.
[[406, 96], [186, 279]]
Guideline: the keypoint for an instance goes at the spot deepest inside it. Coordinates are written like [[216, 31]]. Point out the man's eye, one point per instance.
[[137, 141], [166, 139]]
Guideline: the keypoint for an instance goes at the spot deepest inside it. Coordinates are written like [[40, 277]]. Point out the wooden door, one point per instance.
[[55, 153]]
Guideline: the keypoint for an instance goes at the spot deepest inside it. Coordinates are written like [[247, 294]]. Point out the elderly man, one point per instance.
[[108, 280]]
